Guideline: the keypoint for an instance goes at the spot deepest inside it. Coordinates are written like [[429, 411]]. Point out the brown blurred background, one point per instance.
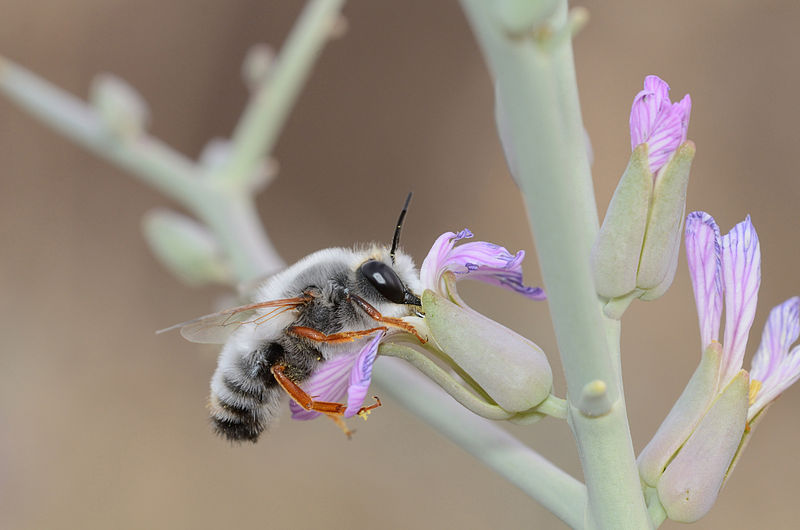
[[103, 424]]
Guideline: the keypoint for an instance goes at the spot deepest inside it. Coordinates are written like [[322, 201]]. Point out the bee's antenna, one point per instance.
[[396, 238]]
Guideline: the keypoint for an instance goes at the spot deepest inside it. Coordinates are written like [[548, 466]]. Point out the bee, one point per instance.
[[300, 318]]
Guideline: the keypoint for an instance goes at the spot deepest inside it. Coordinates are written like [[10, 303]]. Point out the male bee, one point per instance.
[[302, 317]]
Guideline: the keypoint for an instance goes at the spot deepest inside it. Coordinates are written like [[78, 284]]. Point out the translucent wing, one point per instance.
[[217, 327]]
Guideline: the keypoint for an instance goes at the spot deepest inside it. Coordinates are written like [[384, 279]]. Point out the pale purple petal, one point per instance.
[[741, 277], [780, 332], [327, 383], [361, 375], [703, 257], [657, 121], [774, 366], [477, 260], [347, 373], [434, 264]]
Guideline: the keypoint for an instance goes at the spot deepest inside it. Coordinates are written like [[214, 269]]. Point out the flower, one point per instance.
[[658, 122], [348, 373], [635, 254], [698, 443], [477, 260], [512, 370]]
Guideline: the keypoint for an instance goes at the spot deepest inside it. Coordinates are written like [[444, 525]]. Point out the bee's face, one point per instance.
[[395, 282]]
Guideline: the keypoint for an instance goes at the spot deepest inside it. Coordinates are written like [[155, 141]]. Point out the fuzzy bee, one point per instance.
[[301, 317]]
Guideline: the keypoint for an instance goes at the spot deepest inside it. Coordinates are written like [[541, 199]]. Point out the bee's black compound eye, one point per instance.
[[385, 281]]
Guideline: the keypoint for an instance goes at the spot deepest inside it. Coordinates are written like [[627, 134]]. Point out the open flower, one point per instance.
[[694, 449], [476, 260], [658, 122], [512, 370]]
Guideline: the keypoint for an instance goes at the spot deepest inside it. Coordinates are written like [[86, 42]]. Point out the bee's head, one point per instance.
[[386, 278]]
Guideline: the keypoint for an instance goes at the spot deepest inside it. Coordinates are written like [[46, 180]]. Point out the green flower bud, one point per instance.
[[512, 370], [185, 247], [121, 108], [636, 251]]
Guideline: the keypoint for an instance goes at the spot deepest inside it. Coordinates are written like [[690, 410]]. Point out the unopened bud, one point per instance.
[[185, 247], [121, 108]]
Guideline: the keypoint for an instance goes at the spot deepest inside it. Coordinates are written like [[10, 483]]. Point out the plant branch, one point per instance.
[[554, 489], [261, 122]]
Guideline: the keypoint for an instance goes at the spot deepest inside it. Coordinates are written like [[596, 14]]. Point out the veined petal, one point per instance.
[[774, 367], [337, 376], [741, 277], [658, 122], [361, 375], [435, 263], [477, 260], [703, 257]]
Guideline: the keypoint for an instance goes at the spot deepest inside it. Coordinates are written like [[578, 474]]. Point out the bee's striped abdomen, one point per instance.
[[244, 395]]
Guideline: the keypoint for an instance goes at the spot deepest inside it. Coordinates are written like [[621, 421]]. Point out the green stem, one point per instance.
[[537, 87], [261, 122], [557, 491]]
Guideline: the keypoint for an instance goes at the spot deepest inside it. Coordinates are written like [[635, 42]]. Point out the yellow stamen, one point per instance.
[[755, 386], [364, 414]]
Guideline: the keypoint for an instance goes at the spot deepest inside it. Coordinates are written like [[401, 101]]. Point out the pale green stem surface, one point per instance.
[[535, 475], [535, 79], [262, 121]]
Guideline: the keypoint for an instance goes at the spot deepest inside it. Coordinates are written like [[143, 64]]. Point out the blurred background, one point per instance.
[[104, 425]]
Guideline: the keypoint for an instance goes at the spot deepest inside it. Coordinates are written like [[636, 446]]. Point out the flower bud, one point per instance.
[[512, 370], [123, 110], [690, 485], [683, 418], [638, 245], [185, 247], [662, 240]]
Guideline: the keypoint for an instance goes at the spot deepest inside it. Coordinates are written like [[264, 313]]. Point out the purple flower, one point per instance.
[[477, 260], [775, 368], [348, 373], [658, 122], [729, 265]]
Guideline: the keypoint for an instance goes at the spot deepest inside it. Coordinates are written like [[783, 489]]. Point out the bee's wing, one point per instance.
[[217, 327]]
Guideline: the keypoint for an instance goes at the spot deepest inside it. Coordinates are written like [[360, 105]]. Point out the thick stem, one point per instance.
[[536, 84]]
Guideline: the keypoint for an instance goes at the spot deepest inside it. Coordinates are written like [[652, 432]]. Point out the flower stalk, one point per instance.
[[537, 87]]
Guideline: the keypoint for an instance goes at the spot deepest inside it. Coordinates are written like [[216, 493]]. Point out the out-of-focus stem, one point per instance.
[[535, 475], [535, 80], [261, 122]]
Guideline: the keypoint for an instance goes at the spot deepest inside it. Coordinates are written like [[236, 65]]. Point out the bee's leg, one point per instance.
[[318, 336], [389, 321], [335, 411]]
